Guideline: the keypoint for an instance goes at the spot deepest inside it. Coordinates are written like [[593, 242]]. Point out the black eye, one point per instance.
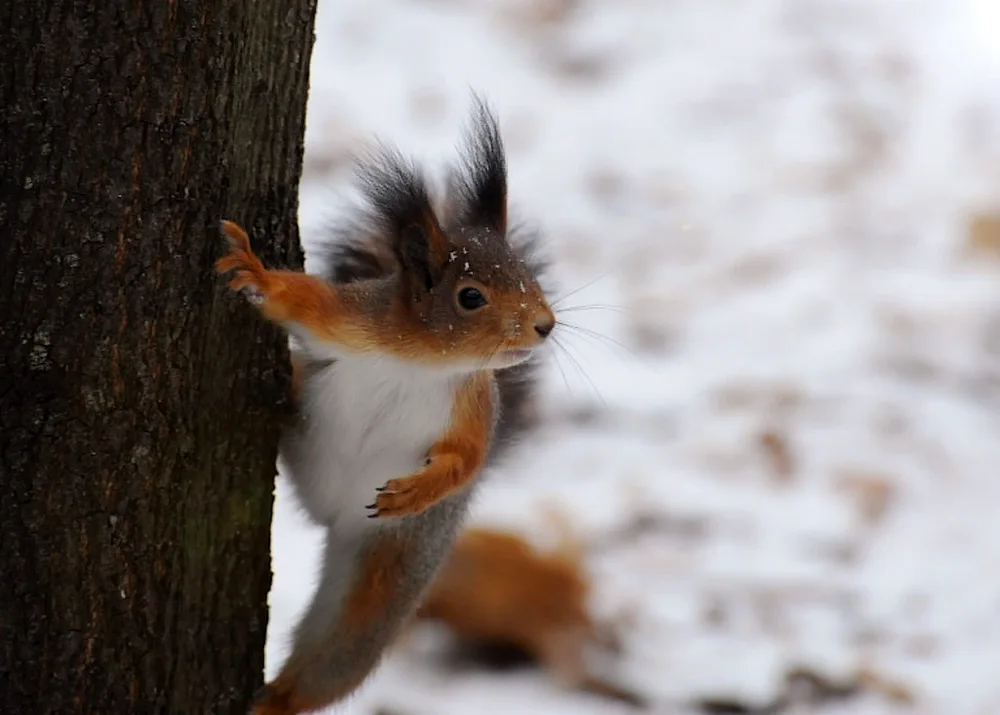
[[471, 298]]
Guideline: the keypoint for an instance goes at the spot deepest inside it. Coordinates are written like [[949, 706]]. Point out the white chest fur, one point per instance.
[[366, 421]]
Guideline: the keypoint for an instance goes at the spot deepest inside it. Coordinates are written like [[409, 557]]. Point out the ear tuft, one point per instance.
[[400, 205], [480, 183]]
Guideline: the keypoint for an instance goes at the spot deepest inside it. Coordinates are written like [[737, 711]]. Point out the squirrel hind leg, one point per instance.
[[338, 646], [268, 701], [283, 697], [271, 699], [277, 698]]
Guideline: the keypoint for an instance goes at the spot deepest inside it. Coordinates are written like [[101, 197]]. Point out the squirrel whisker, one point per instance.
[[579, 367], [492, 354], [593, 334], [555, 303], [593, 306], [562, 372]]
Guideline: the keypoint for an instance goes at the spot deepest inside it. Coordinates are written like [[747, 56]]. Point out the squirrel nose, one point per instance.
[[544, 324]]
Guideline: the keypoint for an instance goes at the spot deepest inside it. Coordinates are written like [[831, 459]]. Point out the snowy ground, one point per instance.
[[792, 203]]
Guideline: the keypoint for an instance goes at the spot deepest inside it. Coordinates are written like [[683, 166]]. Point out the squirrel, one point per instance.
[[496, 590], [407, 354]]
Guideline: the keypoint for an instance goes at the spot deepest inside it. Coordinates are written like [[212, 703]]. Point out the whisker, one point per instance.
[[609, 308], [490, 355], [593, 334], [581, 371], [560, 299], [561, 371], [576, 350], [561, 347]]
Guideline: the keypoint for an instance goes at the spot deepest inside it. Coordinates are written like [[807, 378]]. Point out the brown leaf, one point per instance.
[[983, 234], [872, 493], [778, 454], [894, 690]]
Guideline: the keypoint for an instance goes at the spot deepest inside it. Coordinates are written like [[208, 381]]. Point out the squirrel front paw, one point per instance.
[[400, 497], [251, 276]]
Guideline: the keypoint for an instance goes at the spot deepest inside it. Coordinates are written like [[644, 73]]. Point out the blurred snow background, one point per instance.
[[788, 212]]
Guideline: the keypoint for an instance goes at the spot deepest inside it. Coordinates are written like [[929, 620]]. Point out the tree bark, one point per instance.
[[139, 401]]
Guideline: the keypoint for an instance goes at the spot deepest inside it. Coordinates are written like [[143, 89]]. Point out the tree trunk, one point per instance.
[[139, 402]]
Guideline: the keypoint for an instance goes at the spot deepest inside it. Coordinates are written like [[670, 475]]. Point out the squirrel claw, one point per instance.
[[399, 497], [250, 275]]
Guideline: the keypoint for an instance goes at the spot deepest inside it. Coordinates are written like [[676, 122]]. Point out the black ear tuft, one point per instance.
[[481, 182], [401, 206]]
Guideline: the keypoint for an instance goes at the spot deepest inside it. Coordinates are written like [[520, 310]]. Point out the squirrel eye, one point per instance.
[[471, 298]]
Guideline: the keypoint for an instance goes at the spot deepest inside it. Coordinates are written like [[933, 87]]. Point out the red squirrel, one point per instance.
[[405, 357]]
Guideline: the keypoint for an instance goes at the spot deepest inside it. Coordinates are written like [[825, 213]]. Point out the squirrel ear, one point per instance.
[[401, 207], [481, 182]]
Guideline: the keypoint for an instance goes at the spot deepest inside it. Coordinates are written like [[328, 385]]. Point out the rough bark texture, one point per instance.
[[139, 401]]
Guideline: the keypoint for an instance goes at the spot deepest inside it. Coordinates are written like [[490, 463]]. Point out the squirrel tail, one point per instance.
[[360, 603], [370, 584]]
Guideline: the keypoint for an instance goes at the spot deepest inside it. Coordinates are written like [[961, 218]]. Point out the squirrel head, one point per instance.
[[466, 297]]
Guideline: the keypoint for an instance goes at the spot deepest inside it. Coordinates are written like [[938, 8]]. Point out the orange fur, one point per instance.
[[452, 461], [345, 315], [373, 592], [509, 329], [282, 695], [321, 308], [292, 297], [279, 699]]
